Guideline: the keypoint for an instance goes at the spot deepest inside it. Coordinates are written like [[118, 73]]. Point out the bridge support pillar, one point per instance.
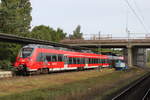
[[130, 57]]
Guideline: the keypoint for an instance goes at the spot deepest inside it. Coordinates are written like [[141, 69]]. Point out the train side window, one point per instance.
[[99, 61], [90, 60], [49, 58], [65, 58], [83, 60], [40, 57], [70, 60], [74, 61], [106, 61], [86, 60], [103, 60], [60, 58], [78, 60], [95, 60], [54, 58]]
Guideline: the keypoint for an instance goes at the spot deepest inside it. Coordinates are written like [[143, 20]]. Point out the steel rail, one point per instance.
[[138, 82], [146, 95]]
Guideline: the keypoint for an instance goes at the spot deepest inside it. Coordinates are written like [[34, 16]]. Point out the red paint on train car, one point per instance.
[[37, 57]]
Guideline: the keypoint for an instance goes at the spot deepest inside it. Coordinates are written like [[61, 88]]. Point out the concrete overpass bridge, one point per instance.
[[134, 49]]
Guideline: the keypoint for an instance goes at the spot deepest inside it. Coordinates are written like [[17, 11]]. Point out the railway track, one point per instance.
[[140, 90], [10, 74], [147, 95]]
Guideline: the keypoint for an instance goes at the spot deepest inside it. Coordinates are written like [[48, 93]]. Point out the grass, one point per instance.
[[22, 84], [148, 64], [87, 85]]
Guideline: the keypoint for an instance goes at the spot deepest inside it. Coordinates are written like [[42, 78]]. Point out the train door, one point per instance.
[[65, 62]]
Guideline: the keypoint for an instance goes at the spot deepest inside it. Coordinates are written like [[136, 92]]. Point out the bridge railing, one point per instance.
[[115, 38], [110, 37]]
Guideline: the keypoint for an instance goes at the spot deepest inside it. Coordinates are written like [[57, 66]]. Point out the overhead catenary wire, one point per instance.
[[134, 12], [140, 12]]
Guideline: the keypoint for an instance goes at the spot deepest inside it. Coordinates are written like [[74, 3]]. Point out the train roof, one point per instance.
[[67, 52]]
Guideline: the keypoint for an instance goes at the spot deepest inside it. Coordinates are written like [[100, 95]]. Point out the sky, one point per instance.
[[94, 16]]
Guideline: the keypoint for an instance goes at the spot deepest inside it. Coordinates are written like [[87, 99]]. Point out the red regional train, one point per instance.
[[35, 58]]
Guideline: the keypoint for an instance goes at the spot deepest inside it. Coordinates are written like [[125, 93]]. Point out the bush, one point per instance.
[[6, 65]]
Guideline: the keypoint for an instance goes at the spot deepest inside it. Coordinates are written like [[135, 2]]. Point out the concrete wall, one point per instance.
[[138, 56]]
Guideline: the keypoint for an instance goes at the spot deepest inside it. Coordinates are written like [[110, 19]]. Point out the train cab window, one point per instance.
[[54, 58], [26, 52]]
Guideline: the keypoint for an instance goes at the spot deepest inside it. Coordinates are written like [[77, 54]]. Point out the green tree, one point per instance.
[[42, 32], [58, 35], [15, 16], [46, 33], [77, 33]]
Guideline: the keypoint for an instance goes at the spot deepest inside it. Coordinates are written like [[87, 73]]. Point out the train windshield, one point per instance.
[[26, 52]]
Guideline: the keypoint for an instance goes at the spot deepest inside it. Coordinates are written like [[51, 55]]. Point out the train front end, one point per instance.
[[24, 60]]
